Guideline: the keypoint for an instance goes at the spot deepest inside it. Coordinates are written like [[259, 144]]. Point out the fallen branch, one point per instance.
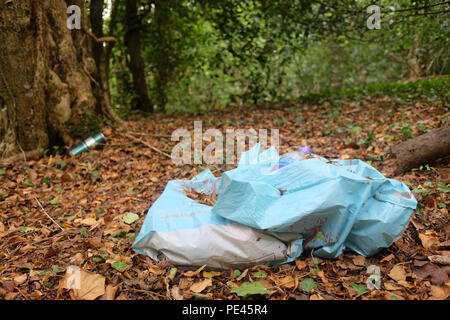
[[145, 144], [48, 214], [421, 150]]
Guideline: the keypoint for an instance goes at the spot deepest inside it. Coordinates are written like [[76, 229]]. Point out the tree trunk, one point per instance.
[[136, 64], [45, 76], [421, 150], [96, 19]]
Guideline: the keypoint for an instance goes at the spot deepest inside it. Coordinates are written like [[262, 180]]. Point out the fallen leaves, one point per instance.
[[83, 285], [359, 261], [301, 264], [194, 273], [201, 285], [438, 275], [111, 211], [429, 239], [398, 273], [440, 292]]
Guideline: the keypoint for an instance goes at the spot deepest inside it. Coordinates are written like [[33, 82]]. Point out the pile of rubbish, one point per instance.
[[270, 209]]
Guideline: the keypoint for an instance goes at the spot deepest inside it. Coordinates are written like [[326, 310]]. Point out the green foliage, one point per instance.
[[249, 289], [308, 285], [359, 288], [236, 273], [212, 54]]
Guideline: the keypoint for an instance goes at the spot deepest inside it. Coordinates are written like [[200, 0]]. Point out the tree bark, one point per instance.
[[96, 19], [45, 76], [421, 150], [136, 64]]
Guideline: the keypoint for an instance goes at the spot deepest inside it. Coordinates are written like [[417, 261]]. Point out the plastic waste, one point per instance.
[[290, 157], [271, 218]]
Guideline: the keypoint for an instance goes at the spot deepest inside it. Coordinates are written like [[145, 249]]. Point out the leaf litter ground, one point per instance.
[[58, 211]]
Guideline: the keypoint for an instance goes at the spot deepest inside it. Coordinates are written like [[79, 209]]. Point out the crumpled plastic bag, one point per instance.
[[269, 217]]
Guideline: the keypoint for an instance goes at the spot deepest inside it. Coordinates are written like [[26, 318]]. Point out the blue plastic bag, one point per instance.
[[267, 217], [187, 233]]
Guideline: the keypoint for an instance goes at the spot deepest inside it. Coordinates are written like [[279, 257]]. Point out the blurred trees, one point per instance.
[[201, 54]]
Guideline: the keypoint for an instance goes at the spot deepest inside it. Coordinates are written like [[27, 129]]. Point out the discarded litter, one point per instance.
[[268, 217], [291, 157], [87, 144]]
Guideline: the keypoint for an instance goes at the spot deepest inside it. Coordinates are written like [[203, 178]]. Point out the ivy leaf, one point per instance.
[[308, 285], [130, 218], [442, 187], [236, 273], [249, 289], [119, 265], [360, 288]]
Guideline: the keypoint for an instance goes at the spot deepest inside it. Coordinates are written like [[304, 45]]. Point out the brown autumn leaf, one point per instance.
[[66, 177], [201, 285], [194, 273], [391, 286], [388, 258], [11, 295], [359, 260], [301, 264], [83, 285], [438, 275], [176, 294], [286, 281], [20, 279], [110, 292], [321, 274], [440, 292], [429, 239], [398, 273], [185, 283], [429, 201]]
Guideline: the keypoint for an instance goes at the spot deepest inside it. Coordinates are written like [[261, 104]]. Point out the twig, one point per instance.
[[145, 144], [48, 214]]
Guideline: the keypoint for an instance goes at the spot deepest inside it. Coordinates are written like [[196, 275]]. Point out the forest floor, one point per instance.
[[57, 211]]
